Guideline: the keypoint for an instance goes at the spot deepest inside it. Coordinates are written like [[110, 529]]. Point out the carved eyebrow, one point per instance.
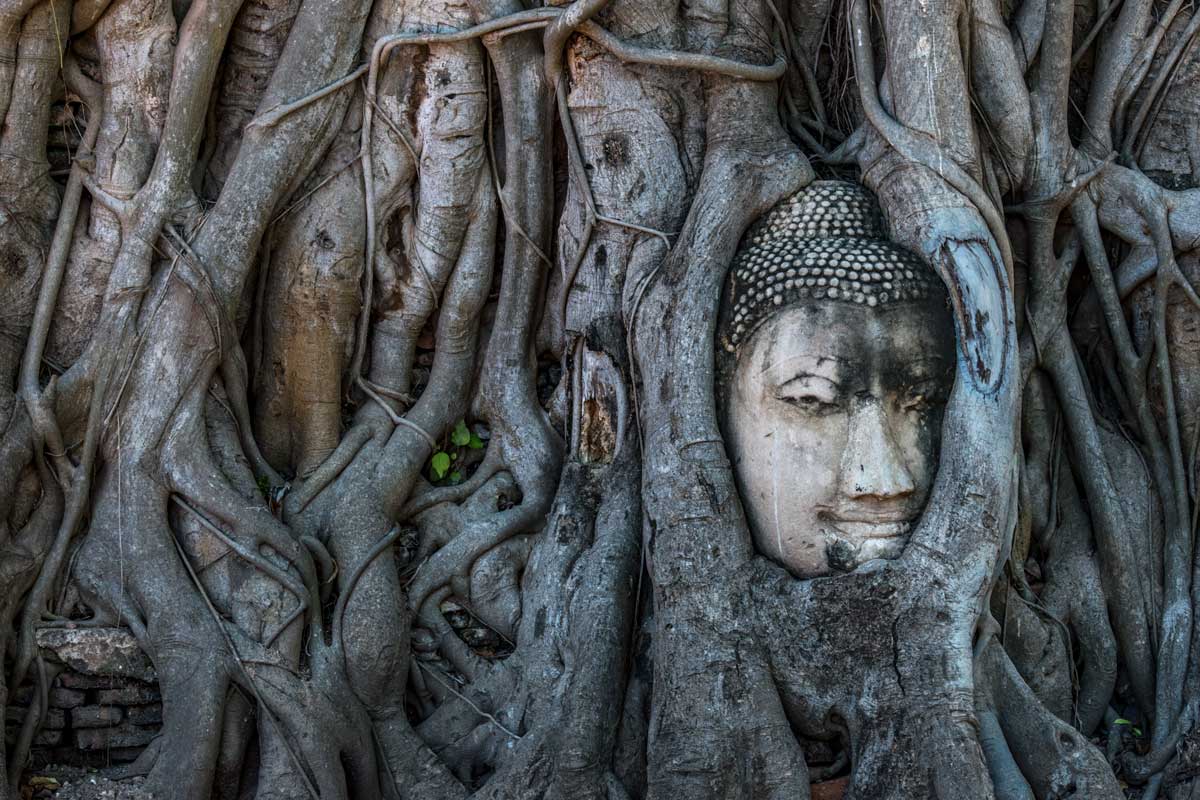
[[804, 375], [816, 359]]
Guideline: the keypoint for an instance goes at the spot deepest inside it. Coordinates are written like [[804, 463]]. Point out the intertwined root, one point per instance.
[[246, 527]]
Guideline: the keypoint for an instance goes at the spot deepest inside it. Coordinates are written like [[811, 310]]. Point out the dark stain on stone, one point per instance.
[[616, 149]]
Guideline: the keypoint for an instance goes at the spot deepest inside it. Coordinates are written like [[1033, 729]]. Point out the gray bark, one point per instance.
[[359, 358]]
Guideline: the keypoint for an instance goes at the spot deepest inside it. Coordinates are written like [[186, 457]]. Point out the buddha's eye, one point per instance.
[[812, 394], [811, 404]]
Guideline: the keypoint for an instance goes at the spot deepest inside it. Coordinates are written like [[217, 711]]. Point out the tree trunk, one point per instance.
[[363, 359]]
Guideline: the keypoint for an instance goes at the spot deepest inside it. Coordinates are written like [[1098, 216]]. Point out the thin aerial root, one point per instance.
[[273, 115], [487, 469], [474, 707], [241, 666], [76, 507], [1141, 769], [573, 272], [292, 207], [121, 209], [1094, 31], [674, 58], [329, 567], [665, 236], [1138, 67], [44, 425], [339, 612], [396, 419], [560, 30], [34, 717], [329, 469], [252, 557], [1049, 208], [457, 557], [406, 400], [233, 370], [1150, 105]]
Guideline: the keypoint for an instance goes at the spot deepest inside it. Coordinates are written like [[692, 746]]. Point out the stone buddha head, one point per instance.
[[836, 360]]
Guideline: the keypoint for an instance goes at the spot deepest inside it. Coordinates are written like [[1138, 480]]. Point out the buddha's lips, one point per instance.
[[857, 529]]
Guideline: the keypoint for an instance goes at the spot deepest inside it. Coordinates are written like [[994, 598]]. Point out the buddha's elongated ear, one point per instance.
[[967, 517]]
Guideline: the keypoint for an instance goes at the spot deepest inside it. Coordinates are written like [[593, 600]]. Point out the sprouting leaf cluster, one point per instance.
[[444, 462]]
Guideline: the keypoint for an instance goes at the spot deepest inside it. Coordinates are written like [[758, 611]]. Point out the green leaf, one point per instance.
[[461, 436], [439, 464], [456, 477], [1137, 731], [475, 443], [1121, 721]]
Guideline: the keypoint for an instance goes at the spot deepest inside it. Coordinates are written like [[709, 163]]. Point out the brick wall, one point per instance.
[[104, 706]]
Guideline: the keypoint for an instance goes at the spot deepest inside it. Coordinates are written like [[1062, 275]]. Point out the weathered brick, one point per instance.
[[145, 715], [122, 754], [50, 759], [124, 735], [133, 693], [66, 698], [96, 716], [75, 680], [48, 738]]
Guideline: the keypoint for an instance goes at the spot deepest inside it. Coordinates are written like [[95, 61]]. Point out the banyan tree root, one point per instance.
[[300, 243], [1073, 601], [1056, 759]]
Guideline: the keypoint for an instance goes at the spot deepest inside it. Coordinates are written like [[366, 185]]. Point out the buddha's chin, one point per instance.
[[844, 553], [883, 548]]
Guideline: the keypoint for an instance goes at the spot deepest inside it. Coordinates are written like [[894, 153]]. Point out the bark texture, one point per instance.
[[358, 357]]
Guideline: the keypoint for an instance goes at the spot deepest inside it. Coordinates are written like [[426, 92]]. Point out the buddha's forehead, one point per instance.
[[851, 343]]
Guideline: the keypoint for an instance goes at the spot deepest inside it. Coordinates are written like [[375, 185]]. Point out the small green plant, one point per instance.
[[1135, 729], [439, 464], [465, 437], [461, 438]]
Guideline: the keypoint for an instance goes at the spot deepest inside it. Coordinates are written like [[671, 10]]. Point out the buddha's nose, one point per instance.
[[873, 465]]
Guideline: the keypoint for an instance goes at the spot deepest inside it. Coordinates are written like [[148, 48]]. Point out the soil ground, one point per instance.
[[75, 783]]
